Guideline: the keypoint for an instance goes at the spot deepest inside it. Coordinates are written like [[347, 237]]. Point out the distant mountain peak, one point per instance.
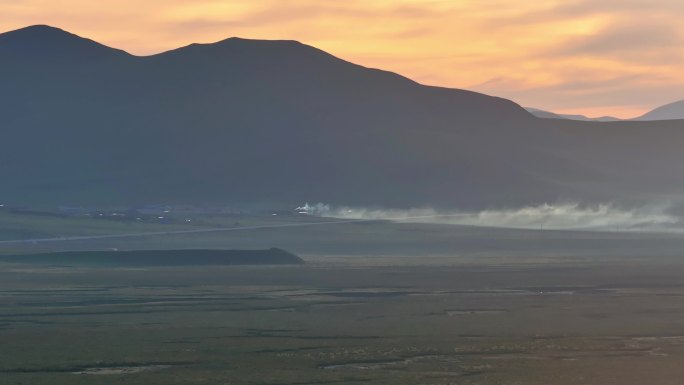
[[240, 45], [35, 34], [670, 111], [51, 42], [255, 53], [237, 39], [39, 28]]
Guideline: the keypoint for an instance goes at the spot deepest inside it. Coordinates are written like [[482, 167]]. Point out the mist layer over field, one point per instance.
[[563, 216]]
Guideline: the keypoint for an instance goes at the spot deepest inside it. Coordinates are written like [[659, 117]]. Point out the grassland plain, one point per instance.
[[376, 303], [441, 323]]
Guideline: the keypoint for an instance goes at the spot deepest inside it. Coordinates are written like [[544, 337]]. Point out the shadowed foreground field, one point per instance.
[[376, 303], [347, 320]]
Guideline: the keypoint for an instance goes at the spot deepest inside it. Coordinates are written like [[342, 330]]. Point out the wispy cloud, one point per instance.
[[652, 42]]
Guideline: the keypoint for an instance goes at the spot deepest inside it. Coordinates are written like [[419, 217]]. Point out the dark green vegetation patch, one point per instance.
[[271, 256]]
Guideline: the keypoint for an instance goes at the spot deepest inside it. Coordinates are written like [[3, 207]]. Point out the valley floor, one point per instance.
[[376, 303], [347, 320]]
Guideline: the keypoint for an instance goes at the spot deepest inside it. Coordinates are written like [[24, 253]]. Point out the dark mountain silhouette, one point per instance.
[[49, 43], [551, 115], [279, 123], [672, 111]]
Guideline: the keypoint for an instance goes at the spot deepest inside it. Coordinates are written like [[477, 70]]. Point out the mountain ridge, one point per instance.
[[670, 111], [45, 40], [552, 115], [278, 123]]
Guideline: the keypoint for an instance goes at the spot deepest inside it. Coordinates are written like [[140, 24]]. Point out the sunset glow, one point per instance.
[[613, 57]]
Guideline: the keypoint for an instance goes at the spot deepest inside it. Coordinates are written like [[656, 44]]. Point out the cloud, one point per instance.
[[555, 11], [633, 41], [610, 94], [265, 13]]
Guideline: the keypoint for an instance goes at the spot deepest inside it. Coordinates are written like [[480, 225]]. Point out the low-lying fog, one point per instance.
[[563, 216]]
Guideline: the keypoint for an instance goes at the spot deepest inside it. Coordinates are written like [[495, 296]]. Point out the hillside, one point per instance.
[[670, 111], [278, 123]]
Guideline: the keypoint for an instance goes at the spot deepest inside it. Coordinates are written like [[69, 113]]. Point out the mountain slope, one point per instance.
[[551, 115], [670, 111], [49, 43], [247, 122]]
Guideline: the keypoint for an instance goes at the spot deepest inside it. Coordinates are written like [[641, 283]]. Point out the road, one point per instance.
[[215, 230]]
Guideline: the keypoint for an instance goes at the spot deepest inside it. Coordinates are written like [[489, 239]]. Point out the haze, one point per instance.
[[617, 58], [154, 224]]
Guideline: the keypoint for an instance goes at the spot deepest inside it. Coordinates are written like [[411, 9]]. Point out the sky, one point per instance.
[[592, 57]]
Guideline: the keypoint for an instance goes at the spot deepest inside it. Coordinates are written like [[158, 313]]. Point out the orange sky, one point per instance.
[[617, 57]]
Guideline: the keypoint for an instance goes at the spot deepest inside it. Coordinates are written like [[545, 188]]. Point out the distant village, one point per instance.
[[151, 213]]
